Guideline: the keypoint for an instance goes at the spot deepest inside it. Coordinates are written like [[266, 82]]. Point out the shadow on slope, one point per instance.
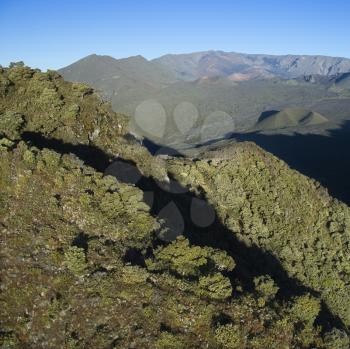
[[251, 261], [324, 158], [266, 114], [91, 155]]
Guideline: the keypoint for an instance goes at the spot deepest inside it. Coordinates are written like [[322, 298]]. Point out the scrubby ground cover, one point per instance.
[[82, 264]]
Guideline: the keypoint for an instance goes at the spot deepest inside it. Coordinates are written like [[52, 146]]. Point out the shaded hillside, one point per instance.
[[289, 117], [90, 259], [343, 81], [96, 273], [323, 157], [95, 67], [113, 76], [267, 205]]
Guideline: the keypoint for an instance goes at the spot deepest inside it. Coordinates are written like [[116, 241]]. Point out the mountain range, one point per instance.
[[244, 86], [296, 107], [201, 65], [240, 66]]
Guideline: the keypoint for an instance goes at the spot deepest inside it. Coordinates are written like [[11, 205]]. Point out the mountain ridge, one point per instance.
[[94, 250], [228, 63], [229, 87], [117, 73], [282, 65]]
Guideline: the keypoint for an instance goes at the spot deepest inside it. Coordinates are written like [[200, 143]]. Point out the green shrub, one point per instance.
[[134, 275], [50, 99], [11, 124], [265, 287], [180, 257], [229, 337], [74, 259], [169, 341], [305, 308], [190, 261], [81, 89], [16, 64], [6, 143], [214, 286], [336, 339], [5, 84]]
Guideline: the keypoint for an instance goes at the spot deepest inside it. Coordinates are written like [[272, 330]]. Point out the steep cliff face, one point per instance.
[[84, 262]]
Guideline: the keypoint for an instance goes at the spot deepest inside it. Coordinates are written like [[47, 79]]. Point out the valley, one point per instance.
[[296, 107]]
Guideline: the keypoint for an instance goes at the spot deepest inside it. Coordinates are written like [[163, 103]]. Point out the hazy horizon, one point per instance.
[[212, 50], [165, 54]]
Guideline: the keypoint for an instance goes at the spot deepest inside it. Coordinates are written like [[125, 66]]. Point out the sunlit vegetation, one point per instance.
[[82, 265]]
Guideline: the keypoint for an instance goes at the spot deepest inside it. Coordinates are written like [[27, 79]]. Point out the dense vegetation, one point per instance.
[[45, 104], [82, 264], [281, 212]]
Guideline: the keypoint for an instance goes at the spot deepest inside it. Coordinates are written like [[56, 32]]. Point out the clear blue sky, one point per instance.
[[54, 33]]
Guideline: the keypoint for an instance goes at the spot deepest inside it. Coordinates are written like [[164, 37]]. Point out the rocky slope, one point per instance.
[[85, 261]]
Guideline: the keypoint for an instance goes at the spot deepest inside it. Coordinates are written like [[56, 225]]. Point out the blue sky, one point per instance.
[[54, 33]]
